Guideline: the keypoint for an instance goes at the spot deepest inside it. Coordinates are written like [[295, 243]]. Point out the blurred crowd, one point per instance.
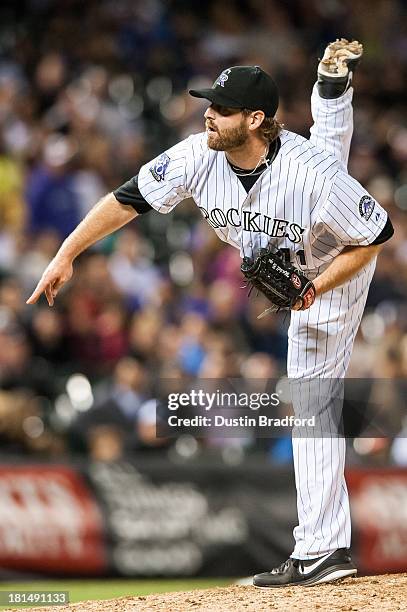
[[88, 93]]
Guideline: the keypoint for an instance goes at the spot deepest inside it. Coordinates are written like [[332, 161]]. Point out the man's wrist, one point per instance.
[[65, 255], [318, 285]]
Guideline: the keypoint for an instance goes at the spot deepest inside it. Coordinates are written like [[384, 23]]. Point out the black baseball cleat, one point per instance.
[[327, 568], [335, 70]]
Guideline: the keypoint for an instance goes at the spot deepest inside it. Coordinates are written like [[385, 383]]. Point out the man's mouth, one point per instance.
[[211, 129]]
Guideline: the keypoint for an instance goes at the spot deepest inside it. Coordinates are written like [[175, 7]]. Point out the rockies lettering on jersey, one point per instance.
[[275, 228]]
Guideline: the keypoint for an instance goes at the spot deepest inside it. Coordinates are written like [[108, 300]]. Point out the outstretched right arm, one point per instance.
[[107, 216], [160, 185]]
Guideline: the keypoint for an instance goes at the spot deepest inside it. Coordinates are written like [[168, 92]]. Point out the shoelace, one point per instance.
[[286, 565]]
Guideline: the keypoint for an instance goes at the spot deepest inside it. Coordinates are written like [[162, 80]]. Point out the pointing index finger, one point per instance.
[[36, 293]]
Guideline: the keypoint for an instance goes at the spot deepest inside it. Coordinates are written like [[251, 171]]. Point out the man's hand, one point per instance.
[[107, 216], [57, 273], [283, 285]]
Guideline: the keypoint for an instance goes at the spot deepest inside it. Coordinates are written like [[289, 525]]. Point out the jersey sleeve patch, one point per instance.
[[366, 207], [159, 168]]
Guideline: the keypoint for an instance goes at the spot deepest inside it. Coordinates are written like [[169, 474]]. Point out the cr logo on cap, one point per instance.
[[222, 78]]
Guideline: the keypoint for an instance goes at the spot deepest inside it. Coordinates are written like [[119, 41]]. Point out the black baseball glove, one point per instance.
[[281, 283]]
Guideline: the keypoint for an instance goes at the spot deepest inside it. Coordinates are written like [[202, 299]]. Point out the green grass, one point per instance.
[[80, 590]]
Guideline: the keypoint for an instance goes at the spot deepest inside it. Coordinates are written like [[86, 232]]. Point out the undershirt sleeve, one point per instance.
[[386, 233], [129, 193]]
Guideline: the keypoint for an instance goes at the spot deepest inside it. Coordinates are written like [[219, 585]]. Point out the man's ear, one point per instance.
[[256, 119]]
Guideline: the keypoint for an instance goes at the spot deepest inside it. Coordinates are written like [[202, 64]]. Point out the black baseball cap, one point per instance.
[[242, 87]]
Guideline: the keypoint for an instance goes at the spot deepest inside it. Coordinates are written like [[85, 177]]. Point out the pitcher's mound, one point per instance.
[[374, 593]]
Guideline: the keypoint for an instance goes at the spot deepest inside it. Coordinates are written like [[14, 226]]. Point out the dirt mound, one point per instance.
[[374, 593]]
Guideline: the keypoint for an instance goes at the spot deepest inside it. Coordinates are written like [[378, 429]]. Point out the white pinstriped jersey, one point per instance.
[[304, 202]]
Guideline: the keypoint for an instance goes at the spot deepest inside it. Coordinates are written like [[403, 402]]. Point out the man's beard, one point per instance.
[[229, 138]]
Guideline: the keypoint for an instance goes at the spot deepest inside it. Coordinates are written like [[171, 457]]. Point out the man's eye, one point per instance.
[[223, 110]]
